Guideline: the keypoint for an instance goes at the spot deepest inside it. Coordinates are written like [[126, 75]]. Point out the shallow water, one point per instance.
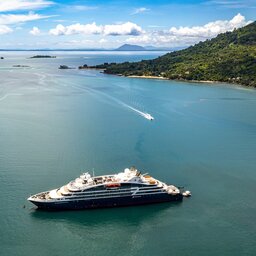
[[55, 124]]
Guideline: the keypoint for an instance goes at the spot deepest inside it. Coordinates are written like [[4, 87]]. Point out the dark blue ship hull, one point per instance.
[[107, 202]]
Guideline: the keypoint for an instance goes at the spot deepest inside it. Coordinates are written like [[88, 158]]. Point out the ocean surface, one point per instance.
[[56, 124]]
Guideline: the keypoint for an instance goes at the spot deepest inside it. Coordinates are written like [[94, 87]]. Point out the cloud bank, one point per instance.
[[184, 36], [15, 5], [35, 31], [210, 29], [127, 28]]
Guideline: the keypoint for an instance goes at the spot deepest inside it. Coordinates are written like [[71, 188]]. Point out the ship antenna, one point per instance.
[[93, 172]]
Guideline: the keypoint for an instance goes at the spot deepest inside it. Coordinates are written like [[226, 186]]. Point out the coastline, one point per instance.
[[149, 77], [165, 78], [189, 81], [94, 68]]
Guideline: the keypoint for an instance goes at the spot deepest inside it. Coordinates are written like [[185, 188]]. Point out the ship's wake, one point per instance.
[[113, 99]]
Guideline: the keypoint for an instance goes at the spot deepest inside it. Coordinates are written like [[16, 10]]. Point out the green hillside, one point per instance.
[[230, 57]]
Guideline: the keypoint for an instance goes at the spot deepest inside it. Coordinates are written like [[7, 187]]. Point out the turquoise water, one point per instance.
[[55, 124]]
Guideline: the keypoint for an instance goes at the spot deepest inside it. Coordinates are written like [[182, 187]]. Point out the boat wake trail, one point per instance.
[[143, 114], [113, 99]]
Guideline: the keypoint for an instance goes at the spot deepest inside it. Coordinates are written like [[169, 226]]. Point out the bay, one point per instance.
[[56, 124]]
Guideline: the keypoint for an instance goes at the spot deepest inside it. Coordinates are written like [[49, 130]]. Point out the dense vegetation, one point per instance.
[[230, 57]]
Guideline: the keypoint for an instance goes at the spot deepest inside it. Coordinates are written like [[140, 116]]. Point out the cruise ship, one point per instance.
[[129, 187]]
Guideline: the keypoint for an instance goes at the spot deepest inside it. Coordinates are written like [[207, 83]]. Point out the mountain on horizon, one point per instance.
[[130, 47]]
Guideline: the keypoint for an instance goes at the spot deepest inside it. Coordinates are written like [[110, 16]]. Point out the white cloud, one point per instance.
[[11, 19], [140, 10], [102, 41], [157, 38], [144, 39], [210, 29], [5, 30], [185, 36], [127, 28], [14, 5], [59, 30], [84, 7], [76, 29], [7, 19], [35, 31]]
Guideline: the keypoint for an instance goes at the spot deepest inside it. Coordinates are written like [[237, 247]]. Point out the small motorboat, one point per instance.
[[148, 116]]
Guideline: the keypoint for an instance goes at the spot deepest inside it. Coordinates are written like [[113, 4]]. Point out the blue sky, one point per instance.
[[108, 24]]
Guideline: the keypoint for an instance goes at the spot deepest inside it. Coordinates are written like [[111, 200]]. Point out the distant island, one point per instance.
[[229, 57], [133, 47], [42, 56], [102, 66], [20, 66], [130, 47], [65, 67]]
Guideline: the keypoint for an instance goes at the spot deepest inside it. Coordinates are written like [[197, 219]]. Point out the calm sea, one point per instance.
[[56, 124]]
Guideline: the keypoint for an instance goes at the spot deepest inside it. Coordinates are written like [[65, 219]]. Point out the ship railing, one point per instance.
[[115, 192], [118, 189]]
